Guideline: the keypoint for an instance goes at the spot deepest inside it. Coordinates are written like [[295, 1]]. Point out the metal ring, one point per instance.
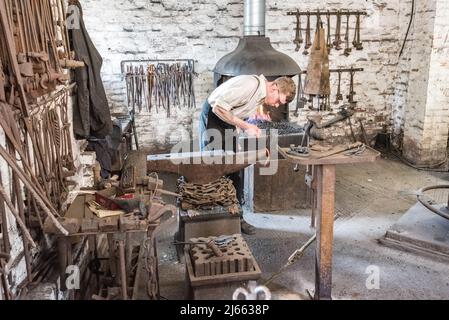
[[427, 204]]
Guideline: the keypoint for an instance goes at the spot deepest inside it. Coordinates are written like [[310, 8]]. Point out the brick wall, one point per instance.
[[426, 107], [206, 30]]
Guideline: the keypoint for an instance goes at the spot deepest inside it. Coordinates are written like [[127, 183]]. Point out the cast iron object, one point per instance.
[[204, 167], [443, 212]]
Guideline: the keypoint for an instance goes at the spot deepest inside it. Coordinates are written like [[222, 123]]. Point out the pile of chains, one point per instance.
[[160, 87], [323, 103], [334, 42], [206, 196], [151, 266]]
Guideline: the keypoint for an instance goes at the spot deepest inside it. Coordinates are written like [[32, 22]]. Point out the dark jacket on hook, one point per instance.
[[91, 114]]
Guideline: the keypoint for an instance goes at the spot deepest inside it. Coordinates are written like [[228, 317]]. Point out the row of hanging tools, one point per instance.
[[303, 37], [323, 102]]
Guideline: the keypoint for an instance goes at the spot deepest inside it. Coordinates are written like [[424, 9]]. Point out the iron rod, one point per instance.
[[340, 70], [325, 13]]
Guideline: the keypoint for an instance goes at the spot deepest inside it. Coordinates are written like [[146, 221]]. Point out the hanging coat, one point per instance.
[[91, 114]]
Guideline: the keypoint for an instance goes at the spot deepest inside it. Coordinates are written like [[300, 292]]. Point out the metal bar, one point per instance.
[[122, 64], [325, 13], [325, 231], [4, 220], [29, 185], [21, 221], [19, 218], [13, 58], [340, 70]]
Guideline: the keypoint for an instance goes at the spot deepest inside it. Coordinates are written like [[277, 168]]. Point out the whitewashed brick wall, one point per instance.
[[427, 107], [206, 30]]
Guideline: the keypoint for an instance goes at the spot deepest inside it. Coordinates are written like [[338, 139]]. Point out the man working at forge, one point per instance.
[[230, 105]]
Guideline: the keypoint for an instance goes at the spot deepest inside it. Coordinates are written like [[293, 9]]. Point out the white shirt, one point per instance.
[[241, 95]]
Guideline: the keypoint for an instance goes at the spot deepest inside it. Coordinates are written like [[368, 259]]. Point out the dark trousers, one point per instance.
[[208, 120]]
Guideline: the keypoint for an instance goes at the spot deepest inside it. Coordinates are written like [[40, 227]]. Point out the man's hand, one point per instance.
[[252, 130], [228, 117]]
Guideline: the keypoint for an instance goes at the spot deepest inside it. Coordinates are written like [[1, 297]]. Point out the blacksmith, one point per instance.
[[228, 108]]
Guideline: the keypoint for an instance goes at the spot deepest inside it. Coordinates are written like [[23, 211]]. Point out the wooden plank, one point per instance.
[[70, 224], [109, 224], [90, 225], [325, 231]]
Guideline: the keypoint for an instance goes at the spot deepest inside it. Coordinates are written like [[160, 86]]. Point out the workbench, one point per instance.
[[324, 182], [122, 237]]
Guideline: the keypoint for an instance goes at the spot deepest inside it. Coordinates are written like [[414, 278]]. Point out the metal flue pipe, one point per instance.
[[254, 18]]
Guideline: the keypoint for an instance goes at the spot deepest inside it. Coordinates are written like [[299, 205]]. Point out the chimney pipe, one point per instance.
[[254, 21]]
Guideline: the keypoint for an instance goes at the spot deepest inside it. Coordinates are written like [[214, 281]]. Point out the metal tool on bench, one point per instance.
[[356, 151], [355, 148], [303, 150]]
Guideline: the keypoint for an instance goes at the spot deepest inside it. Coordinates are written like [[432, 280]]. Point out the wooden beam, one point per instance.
[[325, 231]]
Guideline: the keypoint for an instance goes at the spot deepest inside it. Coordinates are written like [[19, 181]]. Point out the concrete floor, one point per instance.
[[370, 199]]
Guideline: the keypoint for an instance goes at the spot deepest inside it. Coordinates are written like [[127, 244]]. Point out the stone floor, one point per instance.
[[370, 199]]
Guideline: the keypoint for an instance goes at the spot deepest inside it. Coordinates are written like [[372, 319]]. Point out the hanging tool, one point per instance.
[[339, 96], [348, 49], [298, 38], [329, 38], [357, 40], [308, 43], [318, 29], [337, 42], [352, 93], [301, 99]]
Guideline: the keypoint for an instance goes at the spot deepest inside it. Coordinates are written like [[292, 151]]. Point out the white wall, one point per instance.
[[207, 30]]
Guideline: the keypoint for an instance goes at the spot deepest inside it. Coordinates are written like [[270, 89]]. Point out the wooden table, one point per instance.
[[121, 241], [324, 173]]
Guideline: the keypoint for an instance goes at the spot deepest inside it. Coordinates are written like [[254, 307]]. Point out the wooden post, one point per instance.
[[112, 260], [123, 280], [62, 256], [325, 231]]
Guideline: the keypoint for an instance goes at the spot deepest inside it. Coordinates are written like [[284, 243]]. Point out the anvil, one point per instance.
[[205, 167]]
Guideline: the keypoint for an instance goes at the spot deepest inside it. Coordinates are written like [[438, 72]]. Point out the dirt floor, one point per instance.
[[370, 199]]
